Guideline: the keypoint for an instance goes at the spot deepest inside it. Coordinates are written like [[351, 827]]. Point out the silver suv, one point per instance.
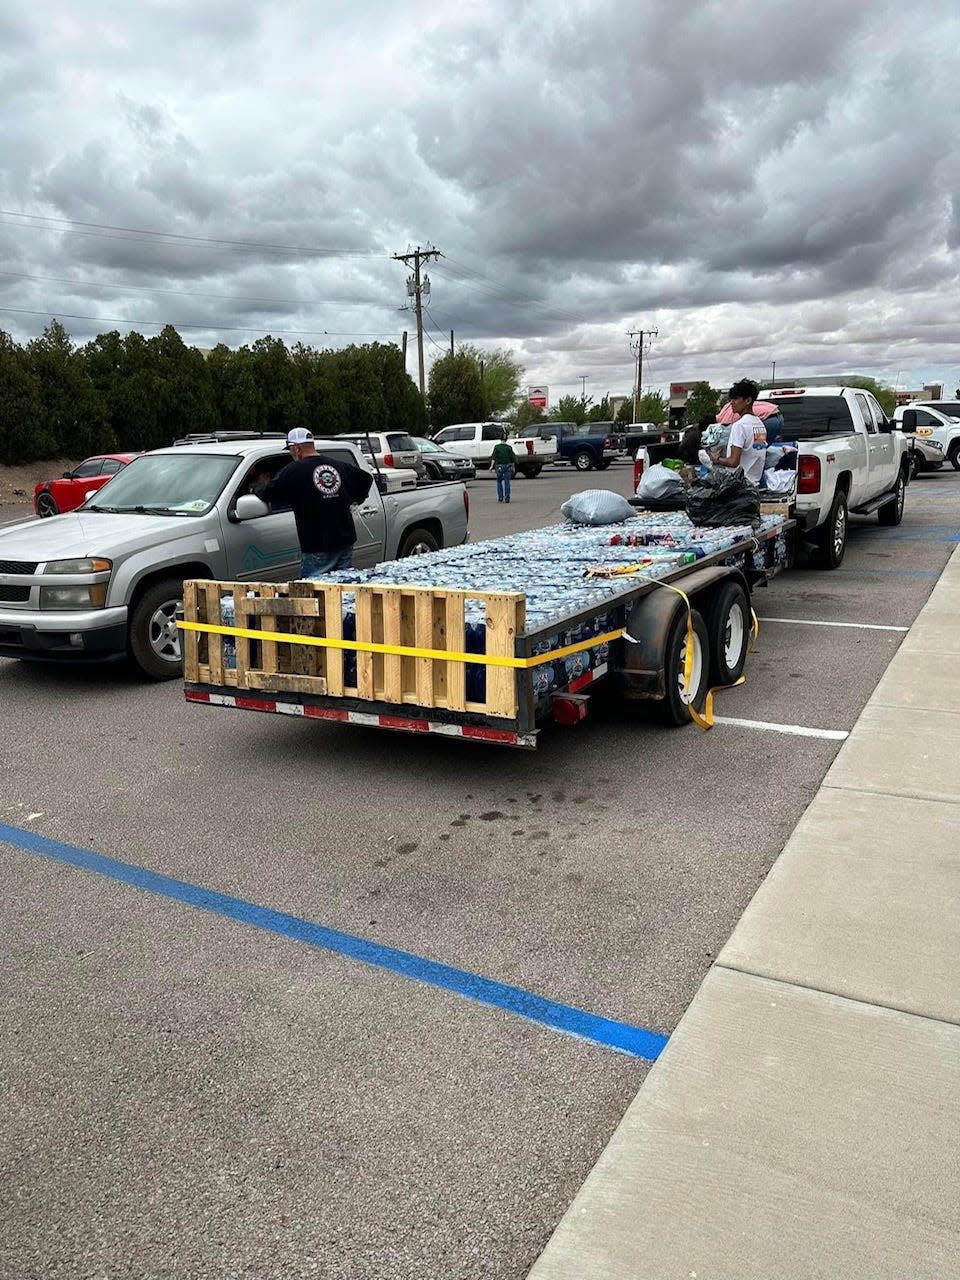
[[390, 449]]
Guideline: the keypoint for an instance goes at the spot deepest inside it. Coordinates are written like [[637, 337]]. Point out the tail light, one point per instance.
[[608, 443], [808, 474], [638, 465], [466, 503], [388, 459]]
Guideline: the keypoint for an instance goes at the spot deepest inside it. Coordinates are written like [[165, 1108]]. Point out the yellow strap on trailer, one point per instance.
[[406, 651]]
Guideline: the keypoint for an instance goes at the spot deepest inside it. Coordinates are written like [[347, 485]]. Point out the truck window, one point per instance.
[[810, 417], [925, 419], [492, 432], [867, 412], [400, 443]]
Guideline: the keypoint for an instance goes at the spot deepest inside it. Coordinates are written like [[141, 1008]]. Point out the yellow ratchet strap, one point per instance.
[[406, 651], [703, 720]]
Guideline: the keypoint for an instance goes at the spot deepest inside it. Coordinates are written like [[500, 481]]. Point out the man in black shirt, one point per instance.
[[321, 493]]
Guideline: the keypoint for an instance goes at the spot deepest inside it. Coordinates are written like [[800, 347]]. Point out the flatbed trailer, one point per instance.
[[649, 606]]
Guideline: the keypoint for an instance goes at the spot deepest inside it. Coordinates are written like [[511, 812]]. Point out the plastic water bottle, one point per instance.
[[228, 618]]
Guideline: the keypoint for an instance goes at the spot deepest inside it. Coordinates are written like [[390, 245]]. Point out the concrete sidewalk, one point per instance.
[[803, 1119]]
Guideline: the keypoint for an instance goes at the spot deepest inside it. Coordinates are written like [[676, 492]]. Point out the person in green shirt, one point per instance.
[[503, 460]]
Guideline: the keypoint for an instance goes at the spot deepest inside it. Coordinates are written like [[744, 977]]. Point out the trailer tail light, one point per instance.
[[388, 459], [638, 464], [808, 475]]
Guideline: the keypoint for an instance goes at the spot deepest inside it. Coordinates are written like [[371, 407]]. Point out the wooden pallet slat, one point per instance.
[[392, 634], [190, 640], [333, 630], [452, 633], [364, 617], [504, 617]]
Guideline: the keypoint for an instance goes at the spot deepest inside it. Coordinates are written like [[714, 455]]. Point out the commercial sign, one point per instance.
[[538, 396]]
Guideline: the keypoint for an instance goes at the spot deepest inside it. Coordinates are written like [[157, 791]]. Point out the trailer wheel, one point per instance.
[[674, 709], [891, 513], [831, 537], [727, 617]]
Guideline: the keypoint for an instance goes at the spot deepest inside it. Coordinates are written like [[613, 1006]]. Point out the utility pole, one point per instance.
[[583, 387], [403, 348], [773, 375], [417, 286], [451, 342], [641, 336]]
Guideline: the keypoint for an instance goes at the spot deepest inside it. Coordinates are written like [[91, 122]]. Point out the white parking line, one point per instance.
[[797, 730], [857, 626]]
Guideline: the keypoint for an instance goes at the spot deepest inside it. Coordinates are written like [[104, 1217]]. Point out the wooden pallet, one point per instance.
[[411, 617]]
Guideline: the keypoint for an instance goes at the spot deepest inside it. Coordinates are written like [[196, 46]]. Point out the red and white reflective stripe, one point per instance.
[[588, 677], [406, 724]]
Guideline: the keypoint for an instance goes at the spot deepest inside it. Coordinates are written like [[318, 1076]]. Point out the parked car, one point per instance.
[[53, 497], [390, 449], [930, 422], [107, 580], [442, 465], [926, 454], [585, 445], [476, 441]]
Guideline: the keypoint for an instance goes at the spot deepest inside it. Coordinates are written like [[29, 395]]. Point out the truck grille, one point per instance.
[[9, 594], [18, 566]]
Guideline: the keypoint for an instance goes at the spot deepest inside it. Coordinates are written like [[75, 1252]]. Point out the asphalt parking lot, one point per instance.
[[194, 1095]]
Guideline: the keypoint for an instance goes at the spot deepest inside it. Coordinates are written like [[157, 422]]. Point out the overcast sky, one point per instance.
[[760, 181]]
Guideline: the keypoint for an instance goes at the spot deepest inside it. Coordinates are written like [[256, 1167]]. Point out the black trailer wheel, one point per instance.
[[891, 513], [674, 709], [831, 537], [727, 617], [153, 639]]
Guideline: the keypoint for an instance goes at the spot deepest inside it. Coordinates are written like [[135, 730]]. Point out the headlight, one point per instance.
[[93, 565], [84, 595]]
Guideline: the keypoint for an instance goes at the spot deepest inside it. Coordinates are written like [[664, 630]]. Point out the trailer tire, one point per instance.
[[891, 513], [418, 542], [831, 537], [727, 618], [152, 639], [674, 709]]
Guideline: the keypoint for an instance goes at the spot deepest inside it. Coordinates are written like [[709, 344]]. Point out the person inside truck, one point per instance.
[[747, 446]]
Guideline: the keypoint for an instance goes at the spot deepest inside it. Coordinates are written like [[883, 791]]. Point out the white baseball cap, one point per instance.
[[299, 435]]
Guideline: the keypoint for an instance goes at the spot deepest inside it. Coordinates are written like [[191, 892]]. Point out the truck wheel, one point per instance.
[[727, 618], [152, 636], [531, 472], [831, 537], [47, 506], [602, 466], [583, 460], [892, 512], [418, 542], [914, 464], [954, 455], [674, 709]]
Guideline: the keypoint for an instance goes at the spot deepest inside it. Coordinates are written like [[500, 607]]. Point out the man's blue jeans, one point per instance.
[[314, 564], [503, 481]]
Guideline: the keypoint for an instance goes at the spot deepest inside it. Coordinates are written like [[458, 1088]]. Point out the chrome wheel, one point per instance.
[[162, 632]]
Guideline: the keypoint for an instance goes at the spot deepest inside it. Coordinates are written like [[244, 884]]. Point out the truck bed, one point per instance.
[[372, 646]]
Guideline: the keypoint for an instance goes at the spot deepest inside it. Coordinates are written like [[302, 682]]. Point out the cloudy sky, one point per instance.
[[758, 180]]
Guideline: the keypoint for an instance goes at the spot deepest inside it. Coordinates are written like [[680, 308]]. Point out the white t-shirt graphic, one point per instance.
[[751, 435]]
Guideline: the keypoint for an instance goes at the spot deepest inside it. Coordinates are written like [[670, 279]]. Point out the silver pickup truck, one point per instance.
[[107, 580]]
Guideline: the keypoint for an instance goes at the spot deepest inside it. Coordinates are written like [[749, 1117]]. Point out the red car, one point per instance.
[[52, 497]]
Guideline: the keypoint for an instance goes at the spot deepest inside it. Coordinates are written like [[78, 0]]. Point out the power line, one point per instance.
[[145, 288], [159, 237], [212, 326]]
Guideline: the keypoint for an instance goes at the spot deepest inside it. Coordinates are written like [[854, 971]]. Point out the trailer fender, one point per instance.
[[642, 673]]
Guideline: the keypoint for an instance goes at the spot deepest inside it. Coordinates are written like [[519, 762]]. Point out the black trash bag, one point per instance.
[[722, 497]]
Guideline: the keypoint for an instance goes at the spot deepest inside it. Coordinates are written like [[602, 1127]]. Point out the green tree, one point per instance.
[[625, 412], [454, 391], [23, 432], [653, 408], [403, 403], [282, 405], [526, 414], [600, 412], [570, 409], [500, 378], [75, 415], [184, 386], [702, 402]]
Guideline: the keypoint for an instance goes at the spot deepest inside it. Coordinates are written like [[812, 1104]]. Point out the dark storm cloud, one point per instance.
[[750, 177]]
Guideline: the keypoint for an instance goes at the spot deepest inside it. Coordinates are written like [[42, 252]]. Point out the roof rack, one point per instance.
[[228, 437]]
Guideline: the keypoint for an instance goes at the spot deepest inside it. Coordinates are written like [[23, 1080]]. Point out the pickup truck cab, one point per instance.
[[852, 459], [476, 440], [630, 437], [931, 423], [107, 579], [586, 445]]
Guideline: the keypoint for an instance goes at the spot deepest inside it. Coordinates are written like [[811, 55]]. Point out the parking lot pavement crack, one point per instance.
[[934, 797]]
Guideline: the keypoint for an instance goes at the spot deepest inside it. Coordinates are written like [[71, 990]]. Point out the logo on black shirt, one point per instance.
[[327, 479]]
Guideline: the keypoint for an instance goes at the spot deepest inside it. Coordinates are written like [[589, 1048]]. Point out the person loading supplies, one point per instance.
[[747, 446], [321, 493]]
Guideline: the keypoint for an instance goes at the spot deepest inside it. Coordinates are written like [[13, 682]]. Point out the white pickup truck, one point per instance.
[[852, 459], [475, 440], [931, 423]]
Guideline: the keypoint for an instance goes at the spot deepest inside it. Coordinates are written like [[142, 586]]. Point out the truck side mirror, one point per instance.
[[909, 421], [250, 507]]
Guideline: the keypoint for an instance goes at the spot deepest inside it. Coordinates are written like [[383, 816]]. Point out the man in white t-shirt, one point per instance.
[[747, 446]]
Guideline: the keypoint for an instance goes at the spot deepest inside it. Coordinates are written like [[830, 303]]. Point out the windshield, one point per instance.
[[806, 417], [167, 484], [427, 446], [950, 408]]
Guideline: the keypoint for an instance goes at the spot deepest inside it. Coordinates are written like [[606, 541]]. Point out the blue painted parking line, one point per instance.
[[636, 1041]]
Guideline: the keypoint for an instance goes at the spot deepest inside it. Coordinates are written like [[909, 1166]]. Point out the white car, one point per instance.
[[939, 423], [389, 449]]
